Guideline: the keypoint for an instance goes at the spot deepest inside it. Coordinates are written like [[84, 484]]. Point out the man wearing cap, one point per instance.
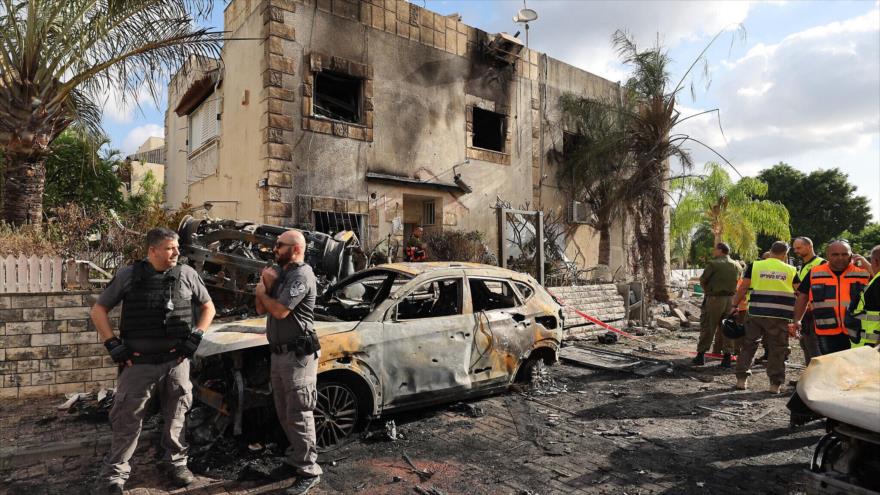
[[719, 285]]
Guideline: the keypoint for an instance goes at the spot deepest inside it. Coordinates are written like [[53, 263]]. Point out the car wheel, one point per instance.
[[337, 413], [532, 372]]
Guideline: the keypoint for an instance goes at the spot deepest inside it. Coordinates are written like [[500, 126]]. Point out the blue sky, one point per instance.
[[803, 86]]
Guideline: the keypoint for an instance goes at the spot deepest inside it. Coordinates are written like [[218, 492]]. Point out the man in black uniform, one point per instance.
[[290, 302], [156, 338]]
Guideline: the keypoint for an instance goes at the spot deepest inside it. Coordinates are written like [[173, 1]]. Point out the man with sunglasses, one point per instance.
[[829, 289], [288, 298], [156, 338]]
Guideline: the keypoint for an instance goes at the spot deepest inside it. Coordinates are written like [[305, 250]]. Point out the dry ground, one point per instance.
[[583, 431]]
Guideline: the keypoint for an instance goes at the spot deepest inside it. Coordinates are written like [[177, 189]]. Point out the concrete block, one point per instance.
[[78, 338], [64, 301], [4, 302], [679, 314], [15, 341], [104, 373], [31, 366], [17, 380], [8, 393], [36, 391], [668, 322], [73, 376], [73, 313], [83, 350], [6, 368], [44, 378], [61, 351], [28, 302], [88, 362], [25, 353], [47, 339], [66, 388], [32, 314], [23, 327], [56, 364], [53, 326]]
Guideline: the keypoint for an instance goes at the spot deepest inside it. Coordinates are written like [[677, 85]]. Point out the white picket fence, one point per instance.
[[31, 274]]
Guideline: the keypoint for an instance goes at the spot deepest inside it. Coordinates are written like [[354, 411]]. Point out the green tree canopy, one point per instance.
[[863, 242], [75, 173], [821, 204], [60, 58], [731, 210]]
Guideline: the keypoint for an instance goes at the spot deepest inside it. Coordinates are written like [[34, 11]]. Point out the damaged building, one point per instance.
[[374, 116]]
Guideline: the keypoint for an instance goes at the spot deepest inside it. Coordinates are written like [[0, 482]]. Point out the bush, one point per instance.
[[455, 245]]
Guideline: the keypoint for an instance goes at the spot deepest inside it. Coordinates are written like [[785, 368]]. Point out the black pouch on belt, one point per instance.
[[308, 344]]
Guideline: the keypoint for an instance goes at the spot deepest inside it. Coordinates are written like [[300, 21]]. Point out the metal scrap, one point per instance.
[[423, 474], [603, 359]]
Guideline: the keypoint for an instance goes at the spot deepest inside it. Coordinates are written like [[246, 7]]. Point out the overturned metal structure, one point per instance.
[[230, 256]]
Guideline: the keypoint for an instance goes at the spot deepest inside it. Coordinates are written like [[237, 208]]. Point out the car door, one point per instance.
[[427, 339], [502, 333]]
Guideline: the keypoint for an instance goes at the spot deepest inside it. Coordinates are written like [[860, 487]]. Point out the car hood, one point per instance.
[[244, 334]]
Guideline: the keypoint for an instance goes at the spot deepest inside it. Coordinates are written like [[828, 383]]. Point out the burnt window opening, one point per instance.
[[332, 223], [489, 130], [571, 142], [338, 97], [433, 299]]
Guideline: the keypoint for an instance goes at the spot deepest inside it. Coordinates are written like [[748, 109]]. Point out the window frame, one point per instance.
[[203, 114], [518, 300], [392, 314]]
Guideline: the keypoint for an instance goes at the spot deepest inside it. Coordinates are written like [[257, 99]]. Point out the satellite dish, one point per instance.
[[525, 15]]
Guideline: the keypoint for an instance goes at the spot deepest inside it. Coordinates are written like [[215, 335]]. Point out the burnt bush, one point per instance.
[[456, 245]]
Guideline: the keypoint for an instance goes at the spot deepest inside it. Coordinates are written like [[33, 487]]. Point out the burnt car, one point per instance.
[[394, 337]]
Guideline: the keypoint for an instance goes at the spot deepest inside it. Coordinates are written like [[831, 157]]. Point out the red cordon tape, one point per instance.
[[631, 336]]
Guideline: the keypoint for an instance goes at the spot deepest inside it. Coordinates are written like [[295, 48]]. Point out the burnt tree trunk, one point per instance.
[[605, 244], [23, 184]]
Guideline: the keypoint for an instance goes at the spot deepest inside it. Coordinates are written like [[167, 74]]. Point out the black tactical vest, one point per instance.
[[145, 307]]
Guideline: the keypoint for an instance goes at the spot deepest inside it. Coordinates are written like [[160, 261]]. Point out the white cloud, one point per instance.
[[138, 135], [122, 111]]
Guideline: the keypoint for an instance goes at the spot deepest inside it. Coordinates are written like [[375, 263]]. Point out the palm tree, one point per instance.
[[59, 59], [595, 164], [731, 210], [651, 118]]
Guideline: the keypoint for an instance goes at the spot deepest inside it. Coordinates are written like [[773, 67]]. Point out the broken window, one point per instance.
[[525, 290], [489, 130], [332, 223], [431, 300], [338, 97], [359, 295], [492, 294]]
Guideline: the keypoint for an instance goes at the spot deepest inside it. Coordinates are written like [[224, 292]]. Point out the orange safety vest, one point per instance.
[[831, 295]]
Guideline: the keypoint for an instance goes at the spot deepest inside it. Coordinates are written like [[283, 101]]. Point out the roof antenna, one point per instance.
[[525, 16]]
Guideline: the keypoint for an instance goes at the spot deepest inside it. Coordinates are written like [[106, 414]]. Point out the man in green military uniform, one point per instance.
[[863, 321], [719, 285], [771, 309]]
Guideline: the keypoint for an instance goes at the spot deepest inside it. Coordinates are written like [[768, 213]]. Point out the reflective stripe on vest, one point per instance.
[[816, 261], [830, 297], [772, 292], [864, 325]]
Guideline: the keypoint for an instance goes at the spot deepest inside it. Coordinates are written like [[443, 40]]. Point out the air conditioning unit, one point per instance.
[[579, 212], [505, 47]]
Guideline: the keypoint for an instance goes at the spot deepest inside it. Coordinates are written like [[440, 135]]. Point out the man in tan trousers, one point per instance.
[[718, 280]]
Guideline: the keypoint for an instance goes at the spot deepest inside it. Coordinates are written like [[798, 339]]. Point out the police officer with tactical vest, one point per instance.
[[156, 338], [771, 306], [863, 325], [829, 289], [803, 247], [289, 299]]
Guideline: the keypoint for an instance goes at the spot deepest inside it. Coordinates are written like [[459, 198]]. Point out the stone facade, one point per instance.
[[601, 301], [49, 346]]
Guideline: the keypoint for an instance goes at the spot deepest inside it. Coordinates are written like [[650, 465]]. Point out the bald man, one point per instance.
[[829, 289], [289, 299]]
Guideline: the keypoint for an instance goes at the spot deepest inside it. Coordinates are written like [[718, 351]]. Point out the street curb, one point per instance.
[[16, 458]]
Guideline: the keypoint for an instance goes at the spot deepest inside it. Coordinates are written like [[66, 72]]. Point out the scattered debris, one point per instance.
[[608, 338], [389, 432], [423, 474], [427, 491], [467, 409], [721, 411], [614, 361], [617, 432], [668, 322]]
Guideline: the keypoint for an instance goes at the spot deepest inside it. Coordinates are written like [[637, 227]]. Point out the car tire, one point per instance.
[[339, 413], [531, 371]]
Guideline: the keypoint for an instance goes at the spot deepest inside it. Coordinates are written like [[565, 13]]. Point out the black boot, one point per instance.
[[725, 360], [699, 359]]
